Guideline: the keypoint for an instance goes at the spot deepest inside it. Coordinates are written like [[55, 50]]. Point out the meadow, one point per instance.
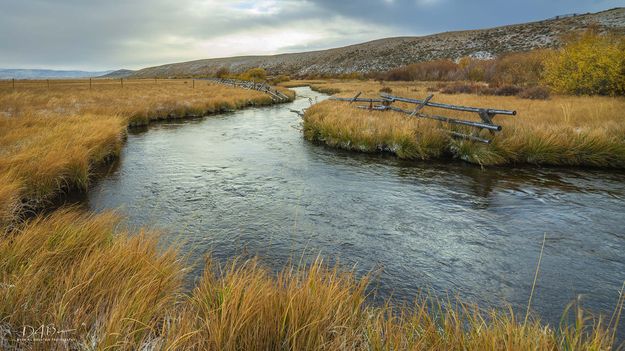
[[107, 287], [561, 131]]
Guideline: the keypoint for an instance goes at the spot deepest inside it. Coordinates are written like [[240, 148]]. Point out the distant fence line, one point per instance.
[[88, 82], [15, 84]]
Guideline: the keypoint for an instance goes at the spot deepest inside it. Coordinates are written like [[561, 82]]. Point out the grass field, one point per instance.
[[109, 288], [564, 130], [139, 101]]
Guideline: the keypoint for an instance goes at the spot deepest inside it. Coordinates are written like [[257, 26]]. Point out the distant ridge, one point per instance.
[[120, 73], [385, 54], [8, 73]]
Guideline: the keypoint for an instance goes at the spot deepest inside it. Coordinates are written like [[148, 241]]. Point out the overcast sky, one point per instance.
[[112, 34]]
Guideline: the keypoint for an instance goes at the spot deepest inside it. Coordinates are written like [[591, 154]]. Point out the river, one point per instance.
[[247, 183]]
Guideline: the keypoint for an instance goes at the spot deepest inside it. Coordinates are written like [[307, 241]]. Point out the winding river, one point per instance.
[[247, 183]]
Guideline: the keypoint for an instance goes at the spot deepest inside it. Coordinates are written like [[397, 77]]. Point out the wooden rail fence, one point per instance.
[[275, 94], [384, 103]]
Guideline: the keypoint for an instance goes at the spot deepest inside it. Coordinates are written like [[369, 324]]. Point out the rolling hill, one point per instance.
[[120, 73], [385, 54]]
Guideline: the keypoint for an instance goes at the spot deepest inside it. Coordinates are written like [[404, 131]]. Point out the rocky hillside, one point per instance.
[[384, 54]]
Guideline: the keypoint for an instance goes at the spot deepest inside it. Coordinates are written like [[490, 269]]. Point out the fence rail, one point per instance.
[[275, 94], [384, 103]]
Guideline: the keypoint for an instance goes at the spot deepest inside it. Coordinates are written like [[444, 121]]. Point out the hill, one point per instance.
[[120, 73], [385, 54]]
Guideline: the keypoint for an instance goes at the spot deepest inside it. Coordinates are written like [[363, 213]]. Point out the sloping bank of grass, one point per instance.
[[116, 290], [569, 131], [51, 138]]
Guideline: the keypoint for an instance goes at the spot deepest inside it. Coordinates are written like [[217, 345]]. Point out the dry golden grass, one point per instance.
[[119, 291], [51, 137], [138, 100], [565, 130], [41, 156], [73, 272]]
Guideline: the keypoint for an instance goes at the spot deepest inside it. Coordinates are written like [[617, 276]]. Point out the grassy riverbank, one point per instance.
[[139, 101], [564, 130], [106, 287], [115, 289], [51, 137]]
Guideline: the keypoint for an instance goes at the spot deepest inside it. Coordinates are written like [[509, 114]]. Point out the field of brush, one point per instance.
[[562, 130], [107, 287]]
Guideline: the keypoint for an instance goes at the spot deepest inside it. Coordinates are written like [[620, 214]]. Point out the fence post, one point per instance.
[[193, 83], [122, 81], [89, 83], [13, 80]]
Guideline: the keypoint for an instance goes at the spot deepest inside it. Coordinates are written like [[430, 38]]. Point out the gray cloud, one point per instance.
[[78, 34], [433, 16]]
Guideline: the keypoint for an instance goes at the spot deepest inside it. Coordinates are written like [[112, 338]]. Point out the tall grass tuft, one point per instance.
[[73, 271], [43, 155]]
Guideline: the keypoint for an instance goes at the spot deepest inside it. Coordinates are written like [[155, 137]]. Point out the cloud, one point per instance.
[[78, 34]]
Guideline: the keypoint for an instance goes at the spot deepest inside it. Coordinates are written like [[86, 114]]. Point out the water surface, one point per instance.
[[248, 183]]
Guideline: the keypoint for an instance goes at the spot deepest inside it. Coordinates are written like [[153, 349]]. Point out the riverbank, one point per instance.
[[113, 287], [52, 137], [562, 131]]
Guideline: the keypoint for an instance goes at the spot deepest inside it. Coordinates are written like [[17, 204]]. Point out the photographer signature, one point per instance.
[[40, 333], [44, 331]]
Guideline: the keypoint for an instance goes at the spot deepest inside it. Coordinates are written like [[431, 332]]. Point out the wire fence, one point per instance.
[[92, 83]]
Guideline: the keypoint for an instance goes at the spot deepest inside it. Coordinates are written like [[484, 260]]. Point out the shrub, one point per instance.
[[535, 93], [512, 69], [254, 74], [507, 90], [591, 64], [439, 70], [460, 89], [280, 79], [520, 68], [387, 90], [476, 70], [222, 72]]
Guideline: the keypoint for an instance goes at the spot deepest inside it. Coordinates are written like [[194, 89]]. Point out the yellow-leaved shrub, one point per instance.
[[591, 64]]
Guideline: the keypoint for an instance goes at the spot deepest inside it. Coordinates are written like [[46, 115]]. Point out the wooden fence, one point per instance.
[[275, 94], [384, 103]]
